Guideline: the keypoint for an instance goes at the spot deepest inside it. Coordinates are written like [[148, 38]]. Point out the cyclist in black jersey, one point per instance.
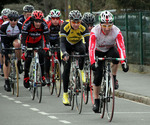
[[10, 31], [27, 11], [54, 26], [72, 34]]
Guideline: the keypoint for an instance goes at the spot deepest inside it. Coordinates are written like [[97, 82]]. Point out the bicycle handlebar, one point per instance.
[[110, 58], [12, 48]]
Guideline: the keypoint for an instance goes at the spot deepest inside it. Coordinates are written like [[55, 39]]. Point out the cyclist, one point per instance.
[[103, 40], [54, 27], [32, 36], [3, 18], [89, 19], [10, 37], [71, 35], [27, 11]]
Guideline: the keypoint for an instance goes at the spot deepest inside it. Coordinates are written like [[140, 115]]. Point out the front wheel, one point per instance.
[[79, 91], [57, 78], [110, 97], [91, 86], [17, 80]]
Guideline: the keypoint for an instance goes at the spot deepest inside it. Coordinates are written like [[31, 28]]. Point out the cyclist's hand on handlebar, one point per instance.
[[93, 67], [125, 67]]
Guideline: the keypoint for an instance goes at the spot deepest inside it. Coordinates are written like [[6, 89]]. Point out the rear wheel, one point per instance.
[[79, 91], [57, 78], [110, 99], [17, 79]]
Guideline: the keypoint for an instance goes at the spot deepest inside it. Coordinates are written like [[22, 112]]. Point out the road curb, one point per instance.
[[132, 96]]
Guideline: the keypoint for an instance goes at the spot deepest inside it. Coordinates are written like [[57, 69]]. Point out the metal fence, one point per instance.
[[135, 28]]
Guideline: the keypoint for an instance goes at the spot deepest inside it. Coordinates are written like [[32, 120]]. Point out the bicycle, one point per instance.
[[14, 75], [35, 75], [107, 93], [75, 88], [55, 72]]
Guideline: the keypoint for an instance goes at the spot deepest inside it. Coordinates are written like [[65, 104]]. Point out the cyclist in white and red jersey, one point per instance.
[[103, 40]]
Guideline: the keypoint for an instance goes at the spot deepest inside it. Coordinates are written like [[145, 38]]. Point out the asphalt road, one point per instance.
[[24, 111]]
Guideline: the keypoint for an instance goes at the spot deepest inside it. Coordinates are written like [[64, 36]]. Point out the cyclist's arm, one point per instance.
[[92, 47], [121, 46], [46, 33]]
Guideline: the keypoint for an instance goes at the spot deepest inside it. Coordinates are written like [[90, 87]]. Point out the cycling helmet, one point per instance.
[[37, 15], [5, 12], [55, 13], [106, 17], [88, 18], [28, 8], [75, 15], [13, 14]]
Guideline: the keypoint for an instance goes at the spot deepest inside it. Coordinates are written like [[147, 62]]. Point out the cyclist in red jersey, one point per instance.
[[103, 40], [54, 26], [33, 30]]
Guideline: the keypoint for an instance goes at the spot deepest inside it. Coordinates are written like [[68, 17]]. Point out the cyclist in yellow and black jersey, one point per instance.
[[72, 33]]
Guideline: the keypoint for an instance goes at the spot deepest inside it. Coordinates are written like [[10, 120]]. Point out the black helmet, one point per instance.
[[75, 15], [88, 18], [13, 14], [28, 8]]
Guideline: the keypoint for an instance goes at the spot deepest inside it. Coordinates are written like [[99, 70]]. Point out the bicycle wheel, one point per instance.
[[38, 83], [57, 78], [91, 86], [31, 81], [79, 91], [51, 73], [16, 79], [110, 97], [102, 98]]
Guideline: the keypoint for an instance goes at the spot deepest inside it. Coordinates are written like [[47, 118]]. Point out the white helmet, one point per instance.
[[106, 17], [5, 12]]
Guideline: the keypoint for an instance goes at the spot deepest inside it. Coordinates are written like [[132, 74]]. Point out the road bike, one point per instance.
[[55, 72], [14, 75], [75, 89], [107, 93], [35, 75]]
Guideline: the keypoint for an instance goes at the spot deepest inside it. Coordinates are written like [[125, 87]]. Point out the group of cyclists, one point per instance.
[[78, 33]]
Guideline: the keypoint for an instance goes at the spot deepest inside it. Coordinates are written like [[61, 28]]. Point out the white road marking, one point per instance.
[[34, 109], [25, 105], [18, 102], [64, 121], [53, 117], [11, 98], [43, 113], [5, 96]]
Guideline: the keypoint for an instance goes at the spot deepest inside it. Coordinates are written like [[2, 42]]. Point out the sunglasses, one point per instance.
[[55, 18], [108, 26], [13, 20], [75, 22]]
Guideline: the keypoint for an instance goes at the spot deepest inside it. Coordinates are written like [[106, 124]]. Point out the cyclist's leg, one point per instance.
[[17, 44], [1, 58], [97, 81], [115, 54]]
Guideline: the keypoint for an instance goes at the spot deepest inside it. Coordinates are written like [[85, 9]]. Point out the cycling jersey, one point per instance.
[[22, 18], [74, 36], [30, 34], [101, 42], [54, 30], [1, 21], [8, 33]]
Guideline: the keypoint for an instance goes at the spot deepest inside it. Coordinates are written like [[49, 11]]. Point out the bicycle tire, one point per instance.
[[79, 91], [17, 79], [31, 76], [86, 91], [39, 83], [110, 100], [91, 86], [51, 73], [57, 78]]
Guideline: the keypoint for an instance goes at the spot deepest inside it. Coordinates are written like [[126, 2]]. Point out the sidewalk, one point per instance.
[[134, 86]]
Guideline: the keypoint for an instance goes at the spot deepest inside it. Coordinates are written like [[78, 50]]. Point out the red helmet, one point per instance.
[[37, 14]]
